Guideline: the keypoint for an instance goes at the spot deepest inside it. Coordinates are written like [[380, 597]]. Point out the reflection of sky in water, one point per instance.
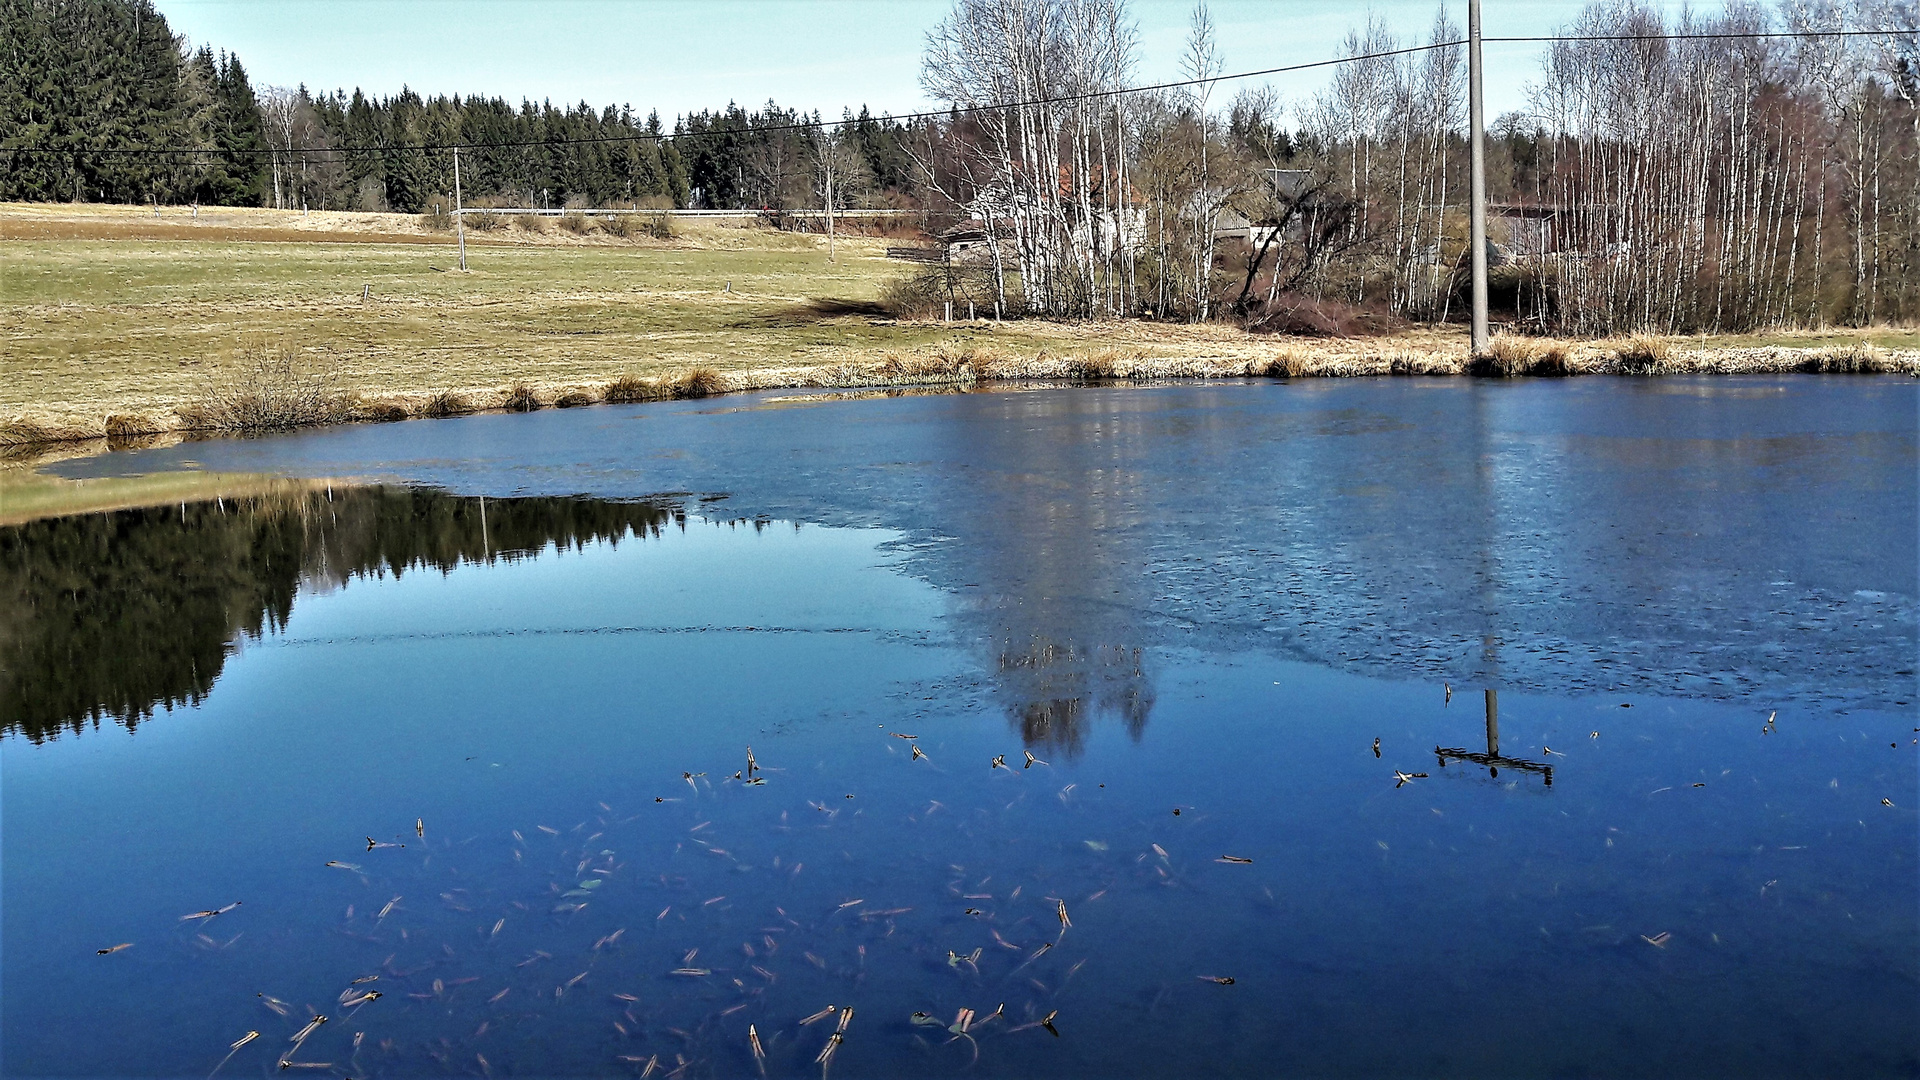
[[1127, 583]]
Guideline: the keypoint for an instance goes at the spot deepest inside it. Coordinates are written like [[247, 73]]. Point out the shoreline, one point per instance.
[[45, 434]]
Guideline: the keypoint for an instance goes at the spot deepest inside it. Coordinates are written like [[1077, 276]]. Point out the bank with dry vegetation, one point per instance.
[[118, 325], [276, 389]]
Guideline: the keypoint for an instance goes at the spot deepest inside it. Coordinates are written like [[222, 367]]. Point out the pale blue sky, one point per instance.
[[808, 54]]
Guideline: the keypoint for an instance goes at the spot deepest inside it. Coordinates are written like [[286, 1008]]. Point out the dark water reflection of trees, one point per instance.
[[109, 616]]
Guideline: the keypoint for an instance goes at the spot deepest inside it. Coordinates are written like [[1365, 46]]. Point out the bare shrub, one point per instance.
[[919, 295], [532, 223], [265, 390], [486, 220], [925, 292], [1299, 315], [437, 218], [657, 225], [577, 223]]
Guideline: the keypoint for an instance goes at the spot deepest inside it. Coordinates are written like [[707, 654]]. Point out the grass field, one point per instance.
[[113, 310]]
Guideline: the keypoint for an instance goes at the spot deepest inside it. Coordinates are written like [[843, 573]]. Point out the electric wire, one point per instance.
[[933, 114]]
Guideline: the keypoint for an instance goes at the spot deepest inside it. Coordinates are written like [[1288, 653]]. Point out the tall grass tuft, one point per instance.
[[1642, 354], [628, 389], [267, 389], [31, 431], [1861, 358], [576, 223], [521, 398], [1510, 355], [1287, 365], [699, 383], [446, 403], [130, 426]]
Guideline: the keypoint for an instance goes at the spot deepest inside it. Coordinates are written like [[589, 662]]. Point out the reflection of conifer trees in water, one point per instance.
[[113, 615]]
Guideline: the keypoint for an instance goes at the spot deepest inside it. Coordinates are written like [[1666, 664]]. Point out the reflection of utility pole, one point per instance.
[[1492, 759], [1493, 723], [1477, 231]]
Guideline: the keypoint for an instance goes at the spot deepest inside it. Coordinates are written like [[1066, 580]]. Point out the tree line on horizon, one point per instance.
[[1651, 183], [85, 78]]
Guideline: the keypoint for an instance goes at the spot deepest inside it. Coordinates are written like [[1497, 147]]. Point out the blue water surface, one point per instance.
[[1144, 640]]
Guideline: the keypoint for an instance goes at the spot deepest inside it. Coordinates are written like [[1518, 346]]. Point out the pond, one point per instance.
[[1359, 728]]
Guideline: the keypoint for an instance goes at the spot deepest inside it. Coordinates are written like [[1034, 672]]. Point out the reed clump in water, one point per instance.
[[268, 389]]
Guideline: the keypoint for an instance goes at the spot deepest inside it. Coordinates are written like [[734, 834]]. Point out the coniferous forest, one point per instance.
[[83, 81]]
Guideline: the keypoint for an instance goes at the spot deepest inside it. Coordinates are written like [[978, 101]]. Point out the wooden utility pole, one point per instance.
[[1477, 231], [830, 257], [459, 219]]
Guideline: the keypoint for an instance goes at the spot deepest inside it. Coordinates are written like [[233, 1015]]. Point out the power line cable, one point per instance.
[[934, 114]]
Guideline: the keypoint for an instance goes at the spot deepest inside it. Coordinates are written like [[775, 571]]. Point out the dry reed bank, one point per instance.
[[116, 323]]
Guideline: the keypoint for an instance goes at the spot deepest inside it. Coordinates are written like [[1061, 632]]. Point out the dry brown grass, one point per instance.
[[1512, 355], [628, 389], [1860, 358], [573, 399], [446, 403], [129, 426], [32, 430], [520, 398], [700, 383], [98, 328], [1643, 354]]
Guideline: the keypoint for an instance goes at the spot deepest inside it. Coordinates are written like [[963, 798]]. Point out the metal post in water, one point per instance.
[[1477, 232]]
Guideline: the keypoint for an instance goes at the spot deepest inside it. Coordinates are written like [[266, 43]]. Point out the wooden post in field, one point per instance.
[[459, 219], [1477, 231]]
